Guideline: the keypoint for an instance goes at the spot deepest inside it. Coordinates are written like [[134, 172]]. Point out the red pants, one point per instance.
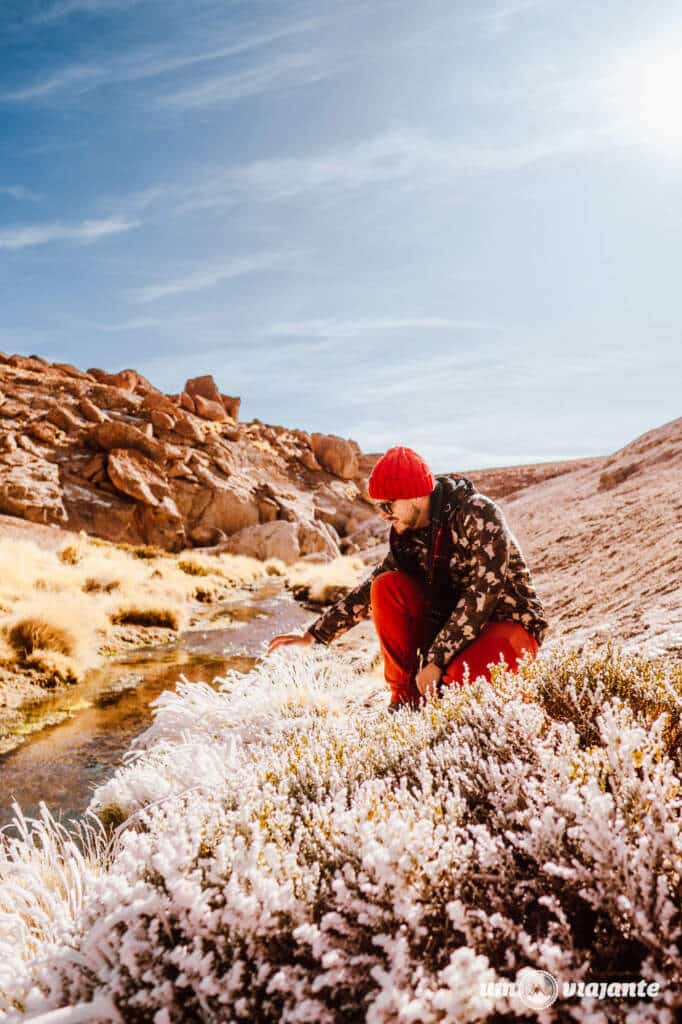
[[398, 602]]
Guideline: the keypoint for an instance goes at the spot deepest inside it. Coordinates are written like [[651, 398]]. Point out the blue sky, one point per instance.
[[450, 225]]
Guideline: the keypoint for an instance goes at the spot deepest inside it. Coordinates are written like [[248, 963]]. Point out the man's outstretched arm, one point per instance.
[[341, 617]]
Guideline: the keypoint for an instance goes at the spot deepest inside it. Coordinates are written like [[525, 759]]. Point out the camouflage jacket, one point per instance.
[[486, 577]]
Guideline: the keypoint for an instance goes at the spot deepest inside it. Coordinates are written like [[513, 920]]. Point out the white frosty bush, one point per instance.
[[290, 854]]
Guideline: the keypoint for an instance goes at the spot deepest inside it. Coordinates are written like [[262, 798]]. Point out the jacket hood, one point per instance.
[[456, 490]]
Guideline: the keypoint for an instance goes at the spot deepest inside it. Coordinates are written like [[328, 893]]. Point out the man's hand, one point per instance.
[[290, 639], [427, 680]]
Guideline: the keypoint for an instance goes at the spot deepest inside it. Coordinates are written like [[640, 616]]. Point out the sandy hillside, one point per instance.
[[604, 540]]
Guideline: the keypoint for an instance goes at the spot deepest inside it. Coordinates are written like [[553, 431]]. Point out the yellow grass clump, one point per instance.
[[325, 582], [59, 633], [56, 607], [148, 614]]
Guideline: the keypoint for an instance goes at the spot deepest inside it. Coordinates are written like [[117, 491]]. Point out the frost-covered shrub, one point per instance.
[[289, 854]]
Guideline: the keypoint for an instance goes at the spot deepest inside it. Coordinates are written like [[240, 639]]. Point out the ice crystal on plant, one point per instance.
[[287, 854]]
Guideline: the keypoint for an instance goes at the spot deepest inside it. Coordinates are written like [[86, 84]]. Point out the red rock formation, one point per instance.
[[110, 454], [336, 456]]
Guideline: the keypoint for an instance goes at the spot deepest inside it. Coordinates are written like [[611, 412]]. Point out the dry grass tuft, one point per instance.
[[58, 633], [275, 567], [93, 586], [31, 634], [193, 568], [59, 668], [71, 554], [140, 615], [63, 604], [323, 583]]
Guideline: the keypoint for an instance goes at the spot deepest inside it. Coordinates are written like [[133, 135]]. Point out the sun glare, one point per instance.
[[659, 91]]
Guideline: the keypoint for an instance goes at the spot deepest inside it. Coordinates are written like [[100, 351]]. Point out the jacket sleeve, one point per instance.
[[486, 538], [351, 609]]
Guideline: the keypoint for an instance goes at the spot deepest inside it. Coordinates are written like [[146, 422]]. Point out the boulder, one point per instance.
[[318, 539], [206, 536], [107, 397], [156, 400], [268, 509], [187, 402], [64, 419], [186, 426], [181, 470], [94, 467], [34, 364], [205, 387], [229, 507], [267, 540], [161, 526], [70, 370], [162, 420], [306, 457], [134, 474], [75, 386], [125, 380], [43, 431], [231, 405], [111, 516], [112, 435], [335, 455], [339, 503], [28, 445], [209, 410], [91, 411], [101, 375], [30, 487], [12, 410]]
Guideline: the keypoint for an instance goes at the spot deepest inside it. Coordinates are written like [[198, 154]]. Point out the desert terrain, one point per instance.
[[130, 491]]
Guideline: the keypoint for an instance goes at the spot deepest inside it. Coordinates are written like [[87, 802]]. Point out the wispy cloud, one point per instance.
[[80, 76], [26, 235], [208, 277], [337, 328], [296, 69], [499, 17], [395, 156], [19, 192], [65, 8], [149, 63]]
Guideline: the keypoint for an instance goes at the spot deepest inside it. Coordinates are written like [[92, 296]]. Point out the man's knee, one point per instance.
[[394, 584], [391, 586], [497, 640]]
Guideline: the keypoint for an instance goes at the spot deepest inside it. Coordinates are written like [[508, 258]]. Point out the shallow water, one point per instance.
[[80, 737]]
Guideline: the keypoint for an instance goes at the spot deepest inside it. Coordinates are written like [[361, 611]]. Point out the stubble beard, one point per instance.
[[412, 522]]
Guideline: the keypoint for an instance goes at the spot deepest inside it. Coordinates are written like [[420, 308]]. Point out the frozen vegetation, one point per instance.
[[284, 850]]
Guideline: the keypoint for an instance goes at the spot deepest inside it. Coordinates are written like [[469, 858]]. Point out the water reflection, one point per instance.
[[95, 723]]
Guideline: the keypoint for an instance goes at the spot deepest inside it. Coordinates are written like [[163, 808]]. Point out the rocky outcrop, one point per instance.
[[110, 454], [336, 456], [30, 488], [287, 541]]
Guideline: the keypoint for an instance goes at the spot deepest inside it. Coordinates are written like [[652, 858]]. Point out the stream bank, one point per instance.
[[72, 741]]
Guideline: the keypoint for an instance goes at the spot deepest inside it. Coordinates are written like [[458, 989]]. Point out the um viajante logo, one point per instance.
[[539, 989], [536, 989]]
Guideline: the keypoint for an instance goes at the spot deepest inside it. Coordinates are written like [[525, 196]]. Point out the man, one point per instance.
[[452, 595]]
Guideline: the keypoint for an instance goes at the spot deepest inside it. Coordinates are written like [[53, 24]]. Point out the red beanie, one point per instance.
[[400, 473]]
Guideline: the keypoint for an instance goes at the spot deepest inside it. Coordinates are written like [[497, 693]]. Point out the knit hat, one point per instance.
[[400, 473]]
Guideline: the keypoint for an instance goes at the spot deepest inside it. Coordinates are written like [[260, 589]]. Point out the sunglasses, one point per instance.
[[386, 506]]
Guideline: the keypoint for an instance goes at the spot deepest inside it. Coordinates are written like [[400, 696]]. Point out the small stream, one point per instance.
[[96, 721]]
